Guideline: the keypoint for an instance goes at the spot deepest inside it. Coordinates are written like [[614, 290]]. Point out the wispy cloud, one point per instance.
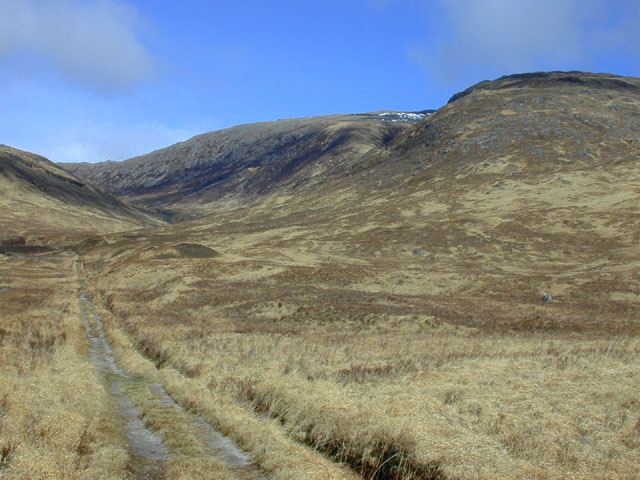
[[95, 142], [91, 42], [74, 125], [486, 38]]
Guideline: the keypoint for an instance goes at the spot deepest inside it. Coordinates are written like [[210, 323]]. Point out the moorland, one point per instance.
[[449, 294]]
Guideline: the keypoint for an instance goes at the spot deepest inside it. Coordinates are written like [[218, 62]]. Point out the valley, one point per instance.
[[454, 296]]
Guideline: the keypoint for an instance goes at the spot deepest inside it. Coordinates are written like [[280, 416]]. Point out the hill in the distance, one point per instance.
[[39, 197], [454, 296], [517, 187], [240, 165]]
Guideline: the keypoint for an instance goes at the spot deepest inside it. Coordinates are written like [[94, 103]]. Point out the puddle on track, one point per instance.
[[147, 450], [221, 446]]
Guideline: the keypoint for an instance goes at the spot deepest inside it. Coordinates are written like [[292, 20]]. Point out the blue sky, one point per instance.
[[91, 80]]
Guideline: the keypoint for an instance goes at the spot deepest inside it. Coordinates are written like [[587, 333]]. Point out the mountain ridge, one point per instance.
[[38, 195], [239, 164], [520, 116], [553, 79]]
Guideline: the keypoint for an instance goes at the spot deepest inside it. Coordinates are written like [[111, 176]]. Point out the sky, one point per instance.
[[95, 80]]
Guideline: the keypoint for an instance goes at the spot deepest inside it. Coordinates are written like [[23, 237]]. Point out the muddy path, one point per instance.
[[149, 455], [147, 451]]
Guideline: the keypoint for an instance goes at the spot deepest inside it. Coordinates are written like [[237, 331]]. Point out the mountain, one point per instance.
[[516, 188], [239, 165], [455, 296], [529, 124], [456, 302], [38, 196]]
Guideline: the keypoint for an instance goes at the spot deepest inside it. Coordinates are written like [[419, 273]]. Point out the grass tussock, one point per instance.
[[271, 448], [404, 396], [375, 450], [55, 416]]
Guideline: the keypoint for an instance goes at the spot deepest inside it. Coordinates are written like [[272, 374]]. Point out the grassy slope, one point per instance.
[[338, 330], [39, 198], [241, 165], [445, 364]]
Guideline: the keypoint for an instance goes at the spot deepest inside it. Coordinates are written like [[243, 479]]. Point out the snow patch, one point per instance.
[[403, 116]]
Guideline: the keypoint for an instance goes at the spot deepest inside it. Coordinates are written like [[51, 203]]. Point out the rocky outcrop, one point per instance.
[[242, 163]]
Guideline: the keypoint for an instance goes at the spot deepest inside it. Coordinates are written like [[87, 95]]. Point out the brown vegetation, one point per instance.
[[397, 365], [38, 198], [56, 420], [460, 304]]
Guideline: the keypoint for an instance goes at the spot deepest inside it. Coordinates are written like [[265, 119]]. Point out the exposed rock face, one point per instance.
[[242, 163], [526, 124]]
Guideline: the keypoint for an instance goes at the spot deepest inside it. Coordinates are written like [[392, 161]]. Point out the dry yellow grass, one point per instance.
[[305, 358], [58, 417], [446, 364], [56, 420], [390, 324], [345, 367], [276, 454]]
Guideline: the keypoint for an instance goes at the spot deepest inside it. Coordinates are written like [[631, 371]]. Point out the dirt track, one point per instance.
[[149, 453]]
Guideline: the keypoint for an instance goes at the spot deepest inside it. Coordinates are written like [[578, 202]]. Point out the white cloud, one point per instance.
[[109, 141], [486, 38], [92, 42], [67, 124]]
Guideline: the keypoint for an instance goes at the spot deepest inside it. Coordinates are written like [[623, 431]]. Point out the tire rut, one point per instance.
[[148, 453]]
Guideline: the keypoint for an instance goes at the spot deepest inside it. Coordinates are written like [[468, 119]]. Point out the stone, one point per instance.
[[13, 240], [194, 250]]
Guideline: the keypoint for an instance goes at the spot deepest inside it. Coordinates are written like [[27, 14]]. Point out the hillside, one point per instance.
[[40, 197], [529, 124], [457, 304], [516, 188], [454, 297], [240, 165]]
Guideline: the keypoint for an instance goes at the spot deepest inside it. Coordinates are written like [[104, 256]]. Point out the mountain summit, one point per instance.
[[369, 289], [239, 165]]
